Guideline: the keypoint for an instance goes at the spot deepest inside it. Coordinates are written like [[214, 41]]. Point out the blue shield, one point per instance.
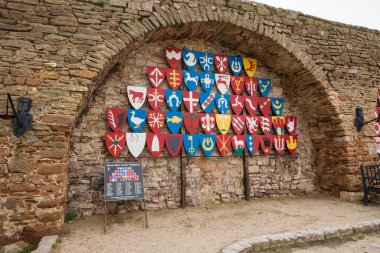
[[208, 143], [191, 143], [206, 60], [207, 101], [190, 59], [222, 102], [174, 121], [277, 105], [250, 144], [173, 99], [207, 81], [264, 86], [191, 79], [236, 64], [136, 119]]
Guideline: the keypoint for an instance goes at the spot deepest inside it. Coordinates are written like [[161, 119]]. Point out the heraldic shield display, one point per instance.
[[256, 119]]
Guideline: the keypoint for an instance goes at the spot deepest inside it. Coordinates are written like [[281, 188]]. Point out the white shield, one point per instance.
[[136, 96], [222, 82], [136, 143]]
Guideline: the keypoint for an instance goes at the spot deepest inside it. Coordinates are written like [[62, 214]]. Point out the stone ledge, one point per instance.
[[298, 237], [46, 244]]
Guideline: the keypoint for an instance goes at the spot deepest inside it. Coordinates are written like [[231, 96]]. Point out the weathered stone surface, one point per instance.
[[23, 165]]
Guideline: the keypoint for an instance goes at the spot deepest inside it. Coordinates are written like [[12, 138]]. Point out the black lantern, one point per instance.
[[359, 119]]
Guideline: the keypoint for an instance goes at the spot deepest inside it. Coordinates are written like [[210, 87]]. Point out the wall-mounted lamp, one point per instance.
[[21, 119], [359, 119]]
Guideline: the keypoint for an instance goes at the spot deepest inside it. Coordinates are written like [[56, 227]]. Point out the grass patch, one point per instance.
[[99, 4], [29, 248], [70, 217]]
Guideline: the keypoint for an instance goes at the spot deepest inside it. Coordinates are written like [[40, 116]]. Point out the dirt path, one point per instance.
[[210, 228]]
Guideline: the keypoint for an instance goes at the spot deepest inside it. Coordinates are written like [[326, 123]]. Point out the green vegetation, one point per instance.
[[70, 217], [29, 248]]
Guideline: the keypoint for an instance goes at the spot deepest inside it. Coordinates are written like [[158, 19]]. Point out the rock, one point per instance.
[[46, 244], [13, 248], [351, 196], [262, 10]]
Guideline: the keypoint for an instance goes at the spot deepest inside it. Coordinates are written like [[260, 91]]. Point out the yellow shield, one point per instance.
[[223, 121], [250, 65]]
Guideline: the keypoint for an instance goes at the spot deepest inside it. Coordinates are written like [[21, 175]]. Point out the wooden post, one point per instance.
[[247, 190], [146, 215], [105, 217]]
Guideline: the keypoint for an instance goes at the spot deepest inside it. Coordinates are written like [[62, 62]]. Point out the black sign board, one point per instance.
[[123, 181]]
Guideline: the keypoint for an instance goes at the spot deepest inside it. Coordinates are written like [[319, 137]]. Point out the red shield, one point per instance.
[[223, 142], [251, 85], [264, 105], [376, 127], [252, 123], [221, 62], [155, 143], [291, 125], [156, 120], [278, 124], [291, 143], [115, 143], [256, 143], [251, 104], [173, 56], [208, 122], [156, 76], [237, 83], [116, 118], [266, 143], [237, 103], [155, 97], [173, 143], [238, 122], [191, 121], [191, 100], [265, 124], [174, 78], [279, 144], [377, 113]]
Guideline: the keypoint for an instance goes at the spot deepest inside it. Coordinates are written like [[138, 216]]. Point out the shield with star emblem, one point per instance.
[[251, 104], [291, 143], [115, 143], [238, 123], [237, 103], [278, 123], [190, 59], [156, 120], [221, 62], [277, 105], [264, 105], [207, 101], [207, 122], [190, 99], [223, 121], [173, 143], [191, 122], [136, 143], [136, 119], [265, 124], [222, 82], [174, 78], [155, 143], [238, 144], [266, 143], [156, 76], [174, 121], [191, 79], [223, 142], [207, 81], [251, 85], [207, 143], [264, 86], [222, 102], [191, 143], [250, 66], [237, 84], [236, 64], [155, 97], [136, 96], [173, 99], [116, 118], [206, 60], [173, 56]]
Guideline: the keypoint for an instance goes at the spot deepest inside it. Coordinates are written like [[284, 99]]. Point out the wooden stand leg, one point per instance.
[[146, 215], [105, 217]]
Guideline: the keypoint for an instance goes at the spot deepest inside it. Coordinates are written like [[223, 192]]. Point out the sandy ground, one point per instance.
[[209, 228]]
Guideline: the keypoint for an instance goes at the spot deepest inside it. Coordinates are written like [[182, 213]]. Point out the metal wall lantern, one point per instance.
[[21, 119], [359, 119]]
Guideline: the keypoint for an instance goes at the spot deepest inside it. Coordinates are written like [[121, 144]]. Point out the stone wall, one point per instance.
[[208, 180], [58, 52]]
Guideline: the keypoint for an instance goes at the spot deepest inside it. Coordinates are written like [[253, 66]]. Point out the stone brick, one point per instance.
[[22, 165], [47, 168]]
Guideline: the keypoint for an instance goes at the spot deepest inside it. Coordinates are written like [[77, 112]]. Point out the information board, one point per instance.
[[123, 181]]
